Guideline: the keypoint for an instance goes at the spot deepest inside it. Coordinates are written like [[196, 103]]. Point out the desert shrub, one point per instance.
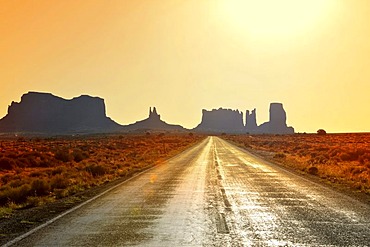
[[63, 155], [345, 157], [366, 155], [279, 156], [358, 170], [32, 161], [350, 156], [58, 170], [353, 155], [336, 151], [60, 193], [7, 177], [96, 170], [5, 212], [16, 195], [40, 187], [12, 155], [7, 164], [22, 162], [314, 154], [33, 201], [321, 149], [36, 174], [367, 164], [313, 170], [321, 132], [17, 182], [246, 144], [59, 182], [45, 162], [321, 159], [79, 156]]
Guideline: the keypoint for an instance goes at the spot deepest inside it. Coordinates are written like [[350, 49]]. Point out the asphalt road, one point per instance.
[[213, 194]]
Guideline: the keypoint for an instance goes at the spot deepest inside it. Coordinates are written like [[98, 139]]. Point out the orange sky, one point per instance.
[[185, 55]]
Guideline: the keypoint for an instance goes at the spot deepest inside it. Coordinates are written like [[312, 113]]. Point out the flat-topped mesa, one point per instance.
[[221, 120], [46, 113]]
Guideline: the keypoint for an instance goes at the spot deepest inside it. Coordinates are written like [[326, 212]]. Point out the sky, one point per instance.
[[183, 56]]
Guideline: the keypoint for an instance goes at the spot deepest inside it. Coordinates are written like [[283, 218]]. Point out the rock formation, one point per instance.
[[221, 120], [231, 121], [46, 113], [251, 121], [153, 115], [277, 123], [153, 123]]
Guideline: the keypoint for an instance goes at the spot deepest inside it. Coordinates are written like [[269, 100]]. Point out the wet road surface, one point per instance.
[[213, 194]]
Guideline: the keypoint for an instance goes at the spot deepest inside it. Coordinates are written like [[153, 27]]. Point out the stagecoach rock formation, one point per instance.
[[277, 123], [153, 123], [46, 113], [221, 120]]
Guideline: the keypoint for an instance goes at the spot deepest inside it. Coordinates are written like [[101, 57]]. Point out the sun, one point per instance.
[[274, 18]]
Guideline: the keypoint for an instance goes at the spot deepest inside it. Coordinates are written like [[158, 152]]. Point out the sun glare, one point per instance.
[[273, 18]]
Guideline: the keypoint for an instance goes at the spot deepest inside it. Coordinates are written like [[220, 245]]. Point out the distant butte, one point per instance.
[[153, 123], [221, 120], [46, 113], [231, 121], [277, 123]]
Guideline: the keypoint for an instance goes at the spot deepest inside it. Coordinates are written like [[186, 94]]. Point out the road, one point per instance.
[[213, 194]]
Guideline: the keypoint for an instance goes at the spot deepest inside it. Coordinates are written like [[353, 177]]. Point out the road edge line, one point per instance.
[[23, 236]]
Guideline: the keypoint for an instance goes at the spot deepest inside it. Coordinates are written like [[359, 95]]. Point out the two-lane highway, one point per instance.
[[213, 194]]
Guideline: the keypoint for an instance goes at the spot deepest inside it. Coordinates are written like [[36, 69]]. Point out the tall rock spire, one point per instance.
[[153, 114], [251, 121]]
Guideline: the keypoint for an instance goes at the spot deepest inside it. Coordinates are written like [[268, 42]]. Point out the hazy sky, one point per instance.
[[185, 55]]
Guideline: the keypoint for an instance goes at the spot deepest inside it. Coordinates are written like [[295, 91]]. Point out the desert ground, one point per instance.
[[341, 159], [210, 191]]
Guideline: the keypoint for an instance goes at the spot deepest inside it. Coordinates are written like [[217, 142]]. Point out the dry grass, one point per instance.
[[37, 171], [339, 158]]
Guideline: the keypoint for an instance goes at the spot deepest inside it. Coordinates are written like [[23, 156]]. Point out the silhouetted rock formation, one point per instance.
[[221, 120], [277, 123], [153, 115], [251, 121], [153, 123], [46, 113], [231, 121]]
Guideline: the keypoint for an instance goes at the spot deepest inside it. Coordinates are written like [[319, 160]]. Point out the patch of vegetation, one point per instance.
[[335, 157], [36, 171]]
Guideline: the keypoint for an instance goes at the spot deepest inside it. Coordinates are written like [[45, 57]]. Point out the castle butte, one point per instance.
[[231, 121]]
